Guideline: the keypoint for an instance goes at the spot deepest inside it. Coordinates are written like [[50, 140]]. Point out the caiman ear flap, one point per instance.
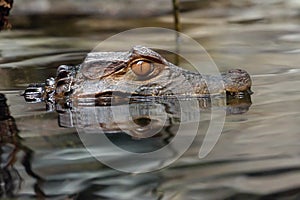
[[144, 52]]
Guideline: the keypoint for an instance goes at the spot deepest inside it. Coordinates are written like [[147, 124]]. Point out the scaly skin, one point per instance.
[[109, 72], [122, 74]]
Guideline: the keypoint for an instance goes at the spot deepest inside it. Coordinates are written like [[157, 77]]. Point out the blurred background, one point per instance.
[[257, 155]]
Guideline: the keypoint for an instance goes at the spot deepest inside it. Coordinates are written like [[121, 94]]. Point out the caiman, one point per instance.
[[138, 72]]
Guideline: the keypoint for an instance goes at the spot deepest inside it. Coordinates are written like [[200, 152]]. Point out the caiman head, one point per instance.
[[144, 72], [139, 72]]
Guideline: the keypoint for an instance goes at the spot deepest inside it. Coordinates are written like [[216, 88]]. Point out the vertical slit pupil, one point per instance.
[[140, 64]]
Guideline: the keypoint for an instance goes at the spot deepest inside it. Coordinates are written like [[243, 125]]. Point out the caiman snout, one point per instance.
[[237, 80]]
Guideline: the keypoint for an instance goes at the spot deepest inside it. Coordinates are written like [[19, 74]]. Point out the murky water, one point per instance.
[[257, 155]]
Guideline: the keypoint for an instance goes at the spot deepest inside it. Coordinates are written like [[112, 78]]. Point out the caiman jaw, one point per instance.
[[104, 98]]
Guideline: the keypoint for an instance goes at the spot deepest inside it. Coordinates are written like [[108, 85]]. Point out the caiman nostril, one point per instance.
[[34, 93], [237, 80]]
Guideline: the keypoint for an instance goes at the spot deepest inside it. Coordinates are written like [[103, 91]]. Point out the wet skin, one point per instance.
[[138, 72]]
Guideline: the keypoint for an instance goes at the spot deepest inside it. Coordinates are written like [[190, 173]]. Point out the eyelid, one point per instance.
[[140, 59]]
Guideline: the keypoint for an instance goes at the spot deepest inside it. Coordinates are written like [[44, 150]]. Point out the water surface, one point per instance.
[[256, 156]]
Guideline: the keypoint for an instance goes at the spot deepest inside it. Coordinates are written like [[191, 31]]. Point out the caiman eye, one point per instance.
[[142, 67]]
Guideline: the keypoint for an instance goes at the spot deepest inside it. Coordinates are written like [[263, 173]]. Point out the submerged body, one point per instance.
[[138, 72]]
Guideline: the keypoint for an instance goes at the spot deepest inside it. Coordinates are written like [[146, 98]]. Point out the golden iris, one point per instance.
[[142, 67]]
